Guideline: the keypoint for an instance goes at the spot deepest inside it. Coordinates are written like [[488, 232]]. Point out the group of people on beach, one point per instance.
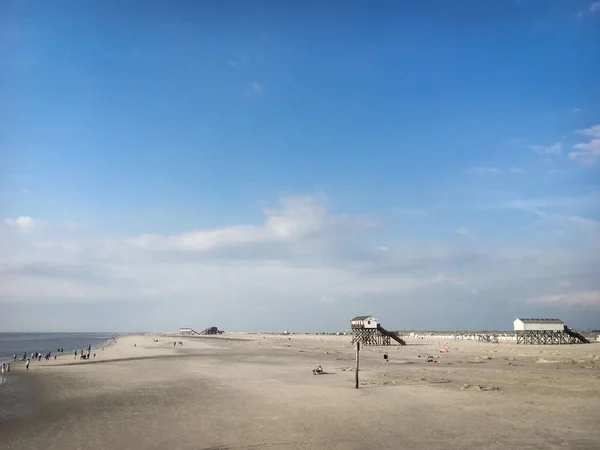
[[38, 355], [83, 355]]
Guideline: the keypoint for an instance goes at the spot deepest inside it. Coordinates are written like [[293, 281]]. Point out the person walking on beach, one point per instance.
[[27, 364], [75, 354], [14, 356]]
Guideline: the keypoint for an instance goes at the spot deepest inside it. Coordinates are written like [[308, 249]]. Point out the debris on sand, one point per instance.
[[479, 387], [548, 361]]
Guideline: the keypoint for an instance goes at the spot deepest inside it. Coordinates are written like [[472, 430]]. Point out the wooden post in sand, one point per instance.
[[357, 348]]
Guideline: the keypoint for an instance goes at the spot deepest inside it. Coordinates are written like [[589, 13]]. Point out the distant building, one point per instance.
[[368, 331], [186, 331], [538, 325], [364, 322], [546, 331]]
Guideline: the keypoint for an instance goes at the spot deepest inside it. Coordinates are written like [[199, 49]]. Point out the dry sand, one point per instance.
[[257, 391]]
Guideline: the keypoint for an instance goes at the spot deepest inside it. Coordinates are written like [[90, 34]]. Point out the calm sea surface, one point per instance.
[[29, 343]]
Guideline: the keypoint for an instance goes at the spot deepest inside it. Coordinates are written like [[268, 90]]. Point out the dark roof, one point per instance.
[[361, 317], [540, 320]]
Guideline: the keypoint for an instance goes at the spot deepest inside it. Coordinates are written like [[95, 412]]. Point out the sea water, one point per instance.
[[19, 343]]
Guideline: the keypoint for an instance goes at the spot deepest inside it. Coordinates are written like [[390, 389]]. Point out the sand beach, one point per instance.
[[246, 391]]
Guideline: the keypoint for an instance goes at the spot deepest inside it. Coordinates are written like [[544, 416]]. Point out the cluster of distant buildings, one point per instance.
[[526, 331]]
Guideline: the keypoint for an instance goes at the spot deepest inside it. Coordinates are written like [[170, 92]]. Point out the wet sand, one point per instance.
[[257, 391]]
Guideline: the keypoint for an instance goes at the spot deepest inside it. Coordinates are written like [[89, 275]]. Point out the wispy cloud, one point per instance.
[[25, 224], [301, 252], [554, 149], [561, 212], [464, 231], [409, 213], [590, 299], [496, 170], [532, 204], [442, 278], [595, 7], [590, 224], [587, 152], [254, 89], [483, 169], [299, 218]]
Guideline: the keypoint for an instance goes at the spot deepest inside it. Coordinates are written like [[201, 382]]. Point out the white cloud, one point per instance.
[[535, 204], [584, 222], [482, 169], [254, 89], [303, 256], [441, 278], [589, 299], [592, 131], [554, 149], [587, 152], [409, 213], [595, 7], [463, 231], [493, 169], [24, 224], [299, 218], [561, 214]]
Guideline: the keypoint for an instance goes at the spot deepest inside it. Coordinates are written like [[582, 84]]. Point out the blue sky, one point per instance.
[[435, 163]]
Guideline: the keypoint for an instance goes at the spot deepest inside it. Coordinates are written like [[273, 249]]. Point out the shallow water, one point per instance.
[[28, 343], [15, 397]]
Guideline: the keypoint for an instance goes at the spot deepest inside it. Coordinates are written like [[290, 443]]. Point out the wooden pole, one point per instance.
[[357, 347]]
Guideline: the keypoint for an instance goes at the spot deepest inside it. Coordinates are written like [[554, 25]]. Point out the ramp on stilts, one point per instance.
[[392, 334], [576, 335], [375, 336]]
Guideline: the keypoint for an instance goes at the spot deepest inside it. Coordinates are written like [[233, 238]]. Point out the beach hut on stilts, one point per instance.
[[368, 331]]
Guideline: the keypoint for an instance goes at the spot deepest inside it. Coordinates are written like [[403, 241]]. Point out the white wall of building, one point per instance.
[[537, 326]]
